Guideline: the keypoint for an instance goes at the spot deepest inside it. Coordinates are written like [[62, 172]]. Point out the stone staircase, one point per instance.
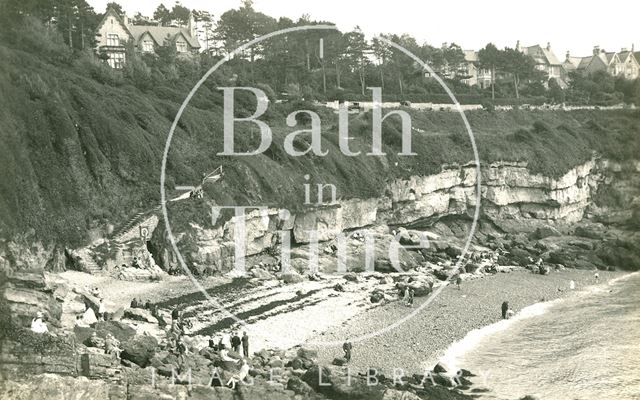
[[88, 262], [130, 230]]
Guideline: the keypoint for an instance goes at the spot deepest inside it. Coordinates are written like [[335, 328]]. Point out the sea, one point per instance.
[[585, 346]]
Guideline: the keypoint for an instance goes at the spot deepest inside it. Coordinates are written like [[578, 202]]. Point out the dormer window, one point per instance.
[[113, 39], [181, 46]]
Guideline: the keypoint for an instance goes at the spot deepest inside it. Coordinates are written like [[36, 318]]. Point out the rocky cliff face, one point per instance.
[[512, 200]]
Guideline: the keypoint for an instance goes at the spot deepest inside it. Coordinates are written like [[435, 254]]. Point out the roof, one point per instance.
[[609, 56], [470, 55], [111, 11], [541, 55], [572, 62], [584, 63], [161, 33], [158, 33]]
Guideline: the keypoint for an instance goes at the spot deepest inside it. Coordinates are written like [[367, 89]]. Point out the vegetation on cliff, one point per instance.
[[83, 144]]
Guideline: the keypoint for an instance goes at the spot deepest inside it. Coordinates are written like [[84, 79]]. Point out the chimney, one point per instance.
[[518, 45], [632, 47], [125, 19], [568, 55], [191, 26], [596, 50], [445, 45], [548, 46]]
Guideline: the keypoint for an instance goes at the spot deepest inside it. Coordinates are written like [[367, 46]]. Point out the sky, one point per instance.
[[575, 26]]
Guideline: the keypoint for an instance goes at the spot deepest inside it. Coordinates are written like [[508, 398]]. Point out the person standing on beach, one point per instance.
[[245, 344], [505, 308], [411, 294], [458, 281], [405, 298], [346, 347], [235, 342]]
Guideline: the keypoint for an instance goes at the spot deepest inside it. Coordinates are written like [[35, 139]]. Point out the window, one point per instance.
[[147, 46], [181, 46], [112, 39], [116, 60]]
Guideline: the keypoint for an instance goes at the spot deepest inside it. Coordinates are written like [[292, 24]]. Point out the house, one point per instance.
[[546, 61], [623, 63], [473, 74], [629, 64], [114, 33]]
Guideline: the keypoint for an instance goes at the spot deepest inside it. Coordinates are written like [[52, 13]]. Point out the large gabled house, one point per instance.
[[622, 63], [629, 64], [115, 32], [473, 74], [546, 61]]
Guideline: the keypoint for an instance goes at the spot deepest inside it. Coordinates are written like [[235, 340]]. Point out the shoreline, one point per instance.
[[415, 346], [418, 344]]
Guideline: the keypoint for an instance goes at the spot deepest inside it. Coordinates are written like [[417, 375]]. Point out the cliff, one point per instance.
[[513, 201]]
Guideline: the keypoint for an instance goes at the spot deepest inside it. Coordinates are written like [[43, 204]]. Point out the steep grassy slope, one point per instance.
[[77, 153]]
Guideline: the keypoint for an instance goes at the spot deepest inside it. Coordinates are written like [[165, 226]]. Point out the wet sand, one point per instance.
[[417, 344]]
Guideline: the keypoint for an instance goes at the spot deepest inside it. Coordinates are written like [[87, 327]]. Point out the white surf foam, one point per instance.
[[459, 348]]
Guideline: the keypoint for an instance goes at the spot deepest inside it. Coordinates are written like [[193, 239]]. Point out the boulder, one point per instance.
[[299, 386], [140, 314], [351, 277], [545, 232], [339, 361], [119, 330], [376, 297], [260, 273], [307, 354], [439, 367], [291, 277], [139, 350], [276, 362]]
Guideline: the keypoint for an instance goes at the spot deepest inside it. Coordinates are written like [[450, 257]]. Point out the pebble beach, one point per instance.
[[417, 344]]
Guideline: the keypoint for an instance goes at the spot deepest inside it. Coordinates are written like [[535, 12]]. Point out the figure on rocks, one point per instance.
[[405, 299], [505, 308], [245, 344], [411, 295], [134, 303], [346, 347], [240, 376], [458, 281], [112, 345], [38, 325]]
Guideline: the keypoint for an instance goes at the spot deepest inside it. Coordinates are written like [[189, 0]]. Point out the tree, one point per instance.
[[454, 58], [162, 14], [180, 13], [356, 51], [519, 66], [206, 26], [116, 7], [382, 52], [490, 57]]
